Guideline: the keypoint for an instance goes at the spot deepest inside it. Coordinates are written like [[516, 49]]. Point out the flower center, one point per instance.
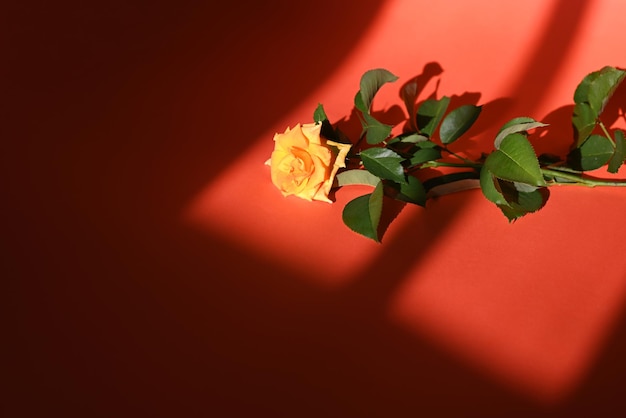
[[300, 166]]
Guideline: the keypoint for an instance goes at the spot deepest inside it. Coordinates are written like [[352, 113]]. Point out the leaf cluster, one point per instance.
[[511, 176], [593, 150]]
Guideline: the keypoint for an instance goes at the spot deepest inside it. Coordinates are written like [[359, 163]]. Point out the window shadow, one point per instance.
[[527, 91], [117, 310]]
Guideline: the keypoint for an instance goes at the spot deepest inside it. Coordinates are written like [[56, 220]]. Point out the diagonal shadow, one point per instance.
[[598, 393], [397, 257], [372, 291], [118, 311]]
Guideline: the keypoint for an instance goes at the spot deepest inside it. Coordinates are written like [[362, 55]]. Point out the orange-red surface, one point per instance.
[[154, 270]]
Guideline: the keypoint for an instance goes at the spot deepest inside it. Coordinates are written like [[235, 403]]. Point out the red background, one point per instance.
[[153, 270]]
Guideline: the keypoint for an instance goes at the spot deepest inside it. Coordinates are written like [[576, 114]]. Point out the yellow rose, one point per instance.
[[304, 163]]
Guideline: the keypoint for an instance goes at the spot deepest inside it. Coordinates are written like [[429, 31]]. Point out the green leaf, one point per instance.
[[603, 86], [520, 203], [362, 215], [412, 191], [360, 104], [517, 121], [596, 151], [597, 87], [375, 131], [591, 96], [371, 82], [618, 157], [492, 190], [413, 139], [523, 187], [362, 177], [581, 94], [489, 189], [513, 203], [384, 163], [516, 161], [430, 114], [457, 122], [319, 115], [584, 121], [426, 144], [522, 124], [531, 201], [424, 155], [511, 213]]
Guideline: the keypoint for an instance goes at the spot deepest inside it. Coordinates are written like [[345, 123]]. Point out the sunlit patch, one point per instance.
[[516, 307], [306, 237], [500, 297]]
